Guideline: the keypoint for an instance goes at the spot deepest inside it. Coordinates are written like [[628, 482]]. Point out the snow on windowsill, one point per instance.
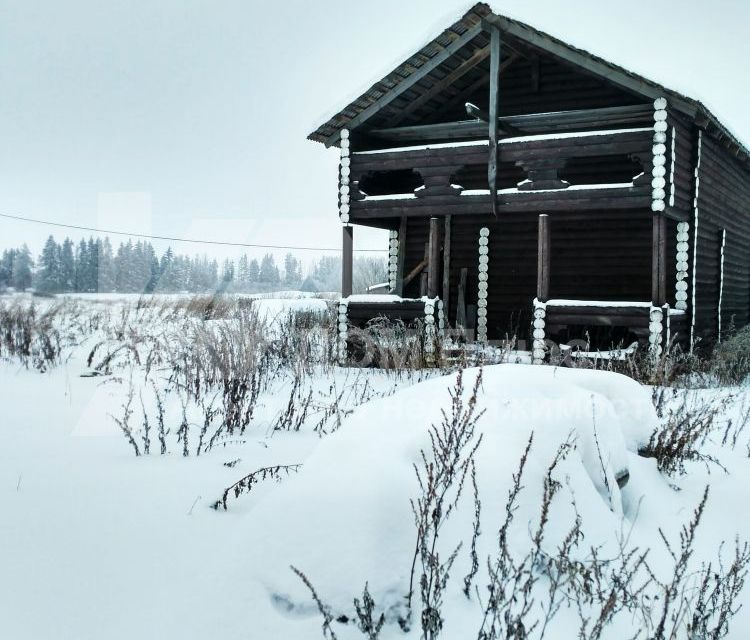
[[390, 196], [384, 297], [574, 187], [424, 147]]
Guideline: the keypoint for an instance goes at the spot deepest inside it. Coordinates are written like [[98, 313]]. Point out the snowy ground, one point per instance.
[[98, 543]]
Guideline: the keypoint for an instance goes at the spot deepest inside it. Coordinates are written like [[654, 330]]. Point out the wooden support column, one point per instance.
[[433, 272], [347, 251], [722, 252], [659, 260], [543, 260], [401, 257], [447, 263], [495, 55]]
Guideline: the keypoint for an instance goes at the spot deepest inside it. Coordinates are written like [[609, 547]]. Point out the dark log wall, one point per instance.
[[599, 170], [724, 202], [604, 257], [685, 149], [561, 87], [417, 235]]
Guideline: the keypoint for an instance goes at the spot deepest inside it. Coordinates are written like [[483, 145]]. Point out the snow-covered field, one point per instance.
[[96, 542]]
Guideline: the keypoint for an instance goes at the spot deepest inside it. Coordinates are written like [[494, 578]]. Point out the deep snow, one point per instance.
[[96, 543]]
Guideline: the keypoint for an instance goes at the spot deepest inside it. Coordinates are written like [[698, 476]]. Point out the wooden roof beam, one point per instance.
[[480, 114], [407, 83], [477, 84], [441, 85], [585, 61]]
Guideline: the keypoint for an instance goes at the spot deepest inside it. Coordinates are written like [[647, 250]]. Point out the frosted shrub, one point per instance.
[[30, 336], [731, 358], [684, 428]]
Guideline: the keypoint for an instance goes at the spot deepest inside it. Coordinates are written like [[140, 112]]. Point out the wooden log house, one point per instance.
[[532, 189]]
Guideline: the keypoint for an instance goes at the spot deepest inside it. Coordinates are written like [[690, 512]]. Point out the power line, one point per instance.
[[174, 239]]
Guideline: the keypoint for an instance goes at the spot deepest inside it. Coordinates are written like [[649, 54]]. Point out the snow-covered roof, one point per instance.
[[431, 57]]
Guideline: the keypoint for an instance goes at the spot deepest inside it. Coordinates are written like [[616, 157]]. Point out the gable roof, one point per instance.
[[433, 63]]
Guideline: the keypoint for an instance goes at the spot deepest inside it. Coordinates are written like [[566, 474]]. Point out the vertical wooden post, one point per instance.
[[433, 268], [447, 264], [461, 299], [659, 260], [401, 257], [543, 260], [722, 251], [495, 55], [347, 252]]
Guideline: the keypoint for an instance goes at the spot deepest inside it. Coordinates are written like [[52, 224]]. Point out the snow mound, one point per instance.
[[347, 515]]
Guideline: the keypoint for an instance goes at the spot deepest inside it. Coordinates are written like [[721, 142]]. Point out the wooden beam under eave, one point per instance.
[[466, 93], [494, 113], [585, 61], [408, 82], [441, 85]]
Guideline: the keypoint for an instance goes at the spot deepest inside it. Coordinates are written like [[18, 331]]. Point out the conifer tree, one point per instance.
[[48, 278]]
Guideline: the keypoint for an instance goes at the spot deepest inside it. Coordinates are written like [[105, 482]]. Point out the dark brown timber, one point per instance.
[[495, 59], [659, 260], [447, 263], [401, 257], [477, 57], [433, 274], [347, 251], [543, 260], [415, 272]]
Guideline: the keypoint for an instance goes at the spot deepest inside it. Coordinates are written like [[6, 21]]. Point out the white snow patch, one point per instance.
[[351, 501]]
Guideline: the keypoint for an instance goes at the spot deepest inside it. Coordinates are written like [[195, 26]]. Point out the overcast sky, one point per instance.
[[189, 117]]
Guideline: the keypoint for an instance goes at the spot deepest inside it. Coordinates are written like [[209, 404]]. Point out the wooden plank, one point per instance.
[[535, 74], [480, 114], [347, 252], [534, 123], [579, 201], [659, 260], [433, 271], [469, 91], [441, 85], [612, 73], [401, 257], [415, 272], [447, 264], [425, 273], [408, 82], [495, 58], [461, 299], [543, 259]]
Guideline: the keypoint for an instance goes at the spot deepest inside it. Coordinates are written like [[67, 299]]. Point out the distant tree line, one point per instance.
[[92, 266]]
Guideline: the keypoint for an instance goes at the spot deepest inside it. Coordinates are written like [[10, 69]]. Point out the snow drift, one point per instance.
[[347, 515]]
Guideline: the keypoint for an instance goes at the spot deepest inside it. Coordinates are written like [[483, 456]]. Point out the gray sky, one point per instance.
[[189, 117]]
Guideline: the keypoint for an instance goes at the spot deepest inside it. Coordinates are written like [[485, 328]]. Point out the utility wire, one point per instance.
[[174, 239]]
